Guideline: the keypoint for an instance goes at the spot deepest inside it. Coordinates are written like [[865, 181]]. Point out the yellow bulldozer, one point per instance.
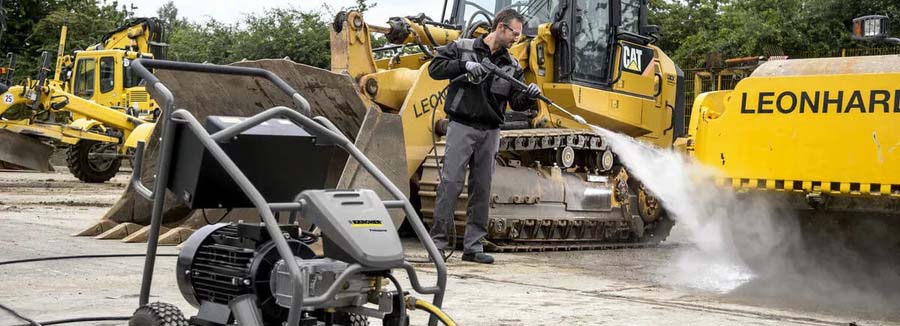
[[817, 135], [557, 185], [92, 104]]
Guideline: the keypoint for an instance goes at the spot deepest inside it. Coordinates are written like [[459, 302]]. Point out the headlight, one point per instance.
[[871, 27]]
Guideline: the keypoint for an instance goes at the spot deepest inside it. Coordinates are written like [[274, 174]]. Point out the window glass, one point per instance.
[[538, 12], [84, 78], [131, 78], [591, 41], [631, 16], [107, 74]]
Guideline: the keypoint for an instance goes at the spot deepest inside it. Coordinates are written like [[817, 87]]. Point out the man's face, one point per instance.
[[507, 33]]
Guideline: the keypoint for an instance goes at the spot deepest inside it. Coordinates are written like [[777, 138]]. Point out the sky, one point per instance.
[[231, 11]]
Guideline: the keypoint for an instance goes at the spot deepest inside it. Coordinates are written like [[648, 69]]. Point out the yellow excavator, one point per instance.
[[557, 185], [92, 104], [818, 135]]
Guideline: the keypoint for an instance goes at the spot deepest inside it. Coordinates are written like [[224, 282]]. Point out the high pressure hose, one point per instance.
[[437, 163], [29, 260], [431, 309], [31, 322]]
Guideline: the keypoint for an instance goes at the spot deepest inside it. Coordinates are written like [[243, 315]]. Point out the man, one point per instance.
[[475, 109]]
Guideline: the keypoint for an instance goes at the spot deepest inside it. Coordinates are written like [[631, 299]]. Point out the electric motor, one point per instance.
[[223, 261]]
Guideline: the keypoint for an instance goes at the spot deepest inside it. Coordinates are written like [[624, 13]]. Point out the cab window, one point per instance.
[[84, 77], [591, 41], [631, 16], [107, 74]]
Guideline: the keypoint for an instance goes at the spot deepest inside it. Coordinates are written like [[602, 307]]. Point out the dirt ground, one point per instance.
[[38, 212]]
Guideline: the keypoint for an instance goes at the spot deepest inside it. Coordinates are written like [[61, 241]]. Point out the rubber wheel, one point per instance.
[[87, 170], [348, 319], [158, 314]]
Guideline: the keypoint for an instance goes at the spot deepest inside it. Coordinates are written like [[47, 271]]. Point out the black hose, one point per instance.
[[469, 31], [227, 210], [79, 320], [444, 11], [441, 178], [30, 260], [437, 163], [17, 315], [424, 22], [400, 293]]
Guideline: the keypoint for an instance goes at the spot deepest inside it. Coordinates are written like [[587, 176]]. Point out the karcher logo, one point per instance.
[[366, 223]]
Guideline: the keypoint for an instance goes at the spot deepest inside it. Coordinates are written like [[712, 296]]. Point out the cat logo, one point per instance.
[[635, 58]]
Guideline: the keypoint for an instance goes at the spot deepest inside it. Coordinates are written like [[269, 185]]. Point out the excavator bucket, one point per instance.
[[19, 151], [331, 95]]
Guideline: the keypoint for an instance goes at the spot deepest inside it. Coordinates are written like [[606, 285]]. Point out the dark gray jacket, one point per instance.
[[479, 106]]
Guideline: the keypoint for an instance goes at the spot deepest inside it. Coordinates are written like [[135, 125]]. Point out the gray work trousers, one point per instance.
[[476, 148]]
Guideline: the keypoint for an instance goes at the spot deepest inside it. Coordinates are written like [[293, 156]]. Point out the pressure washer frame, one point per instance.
[[319, 126]]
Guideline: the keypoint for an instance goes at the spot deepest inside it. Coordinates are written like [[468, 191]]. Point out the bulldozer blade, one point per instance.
[[331, 95], [381, 139], [17, 150]]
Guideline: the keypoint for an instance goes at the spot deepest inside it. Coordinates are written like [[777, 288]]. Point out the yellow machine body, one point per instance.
[[103, 77], [813, 126], [640, 105], [638, 99], [91, 96]]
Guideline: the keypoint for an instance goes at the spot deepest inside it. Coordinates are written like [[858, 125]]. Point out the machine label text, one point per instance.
[[424, 105], [856, 101], [635, 58]]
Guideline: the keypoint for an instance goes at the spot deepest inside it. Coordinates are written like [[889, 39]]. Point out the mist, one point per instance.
[[757, 247]]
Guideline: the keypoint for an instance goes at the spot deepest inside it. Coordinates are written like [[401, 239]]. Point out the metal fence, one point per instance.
[[700, 80]]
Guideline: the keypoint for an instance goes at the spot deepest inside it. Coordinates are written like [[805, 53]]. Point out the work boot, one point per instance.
[[478, 257]]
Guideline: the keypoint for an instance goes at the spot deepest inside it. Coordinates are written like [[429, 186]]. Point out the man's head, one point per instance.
[[507, 27]]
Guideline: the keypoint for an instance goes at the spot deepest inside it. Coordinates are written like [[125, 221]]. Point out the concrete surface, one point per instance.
[[38, 212]]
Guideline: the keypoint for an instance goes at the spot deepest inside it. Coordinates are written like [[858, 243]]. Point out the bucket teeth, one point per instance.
[[119, 231], [142, 234], [175, 236], [96, 229]]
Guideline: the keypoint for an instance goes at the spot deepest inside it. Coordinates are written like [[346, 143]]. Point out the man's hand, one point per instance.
[[533, 91], [476, 70]]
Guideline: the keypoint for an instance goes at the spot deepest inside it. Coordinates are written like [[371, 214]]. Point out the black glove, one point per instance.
[[475, 70], [532, 91]]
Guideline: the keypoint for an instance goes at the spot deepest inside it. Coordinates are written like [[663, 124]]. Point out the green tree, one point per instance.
[[168, 15], [34, 27], [211, 41], [276, 33], [693, 29]]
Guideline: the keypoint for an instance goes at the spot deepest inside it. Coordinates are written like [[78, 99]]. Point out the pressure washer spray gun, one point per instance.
[[490, 66]]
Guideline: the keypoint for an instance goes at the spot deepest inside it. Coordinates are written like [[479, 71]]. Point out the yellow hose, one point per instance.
[[434, 311]]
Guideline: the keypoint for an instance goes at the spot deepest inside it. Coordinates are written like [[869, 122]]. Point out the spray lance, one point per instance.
[[490, 66]]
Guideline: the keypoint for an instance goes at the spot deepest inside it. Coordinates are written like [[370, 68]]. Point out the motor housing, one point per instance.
[[223, 261]]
